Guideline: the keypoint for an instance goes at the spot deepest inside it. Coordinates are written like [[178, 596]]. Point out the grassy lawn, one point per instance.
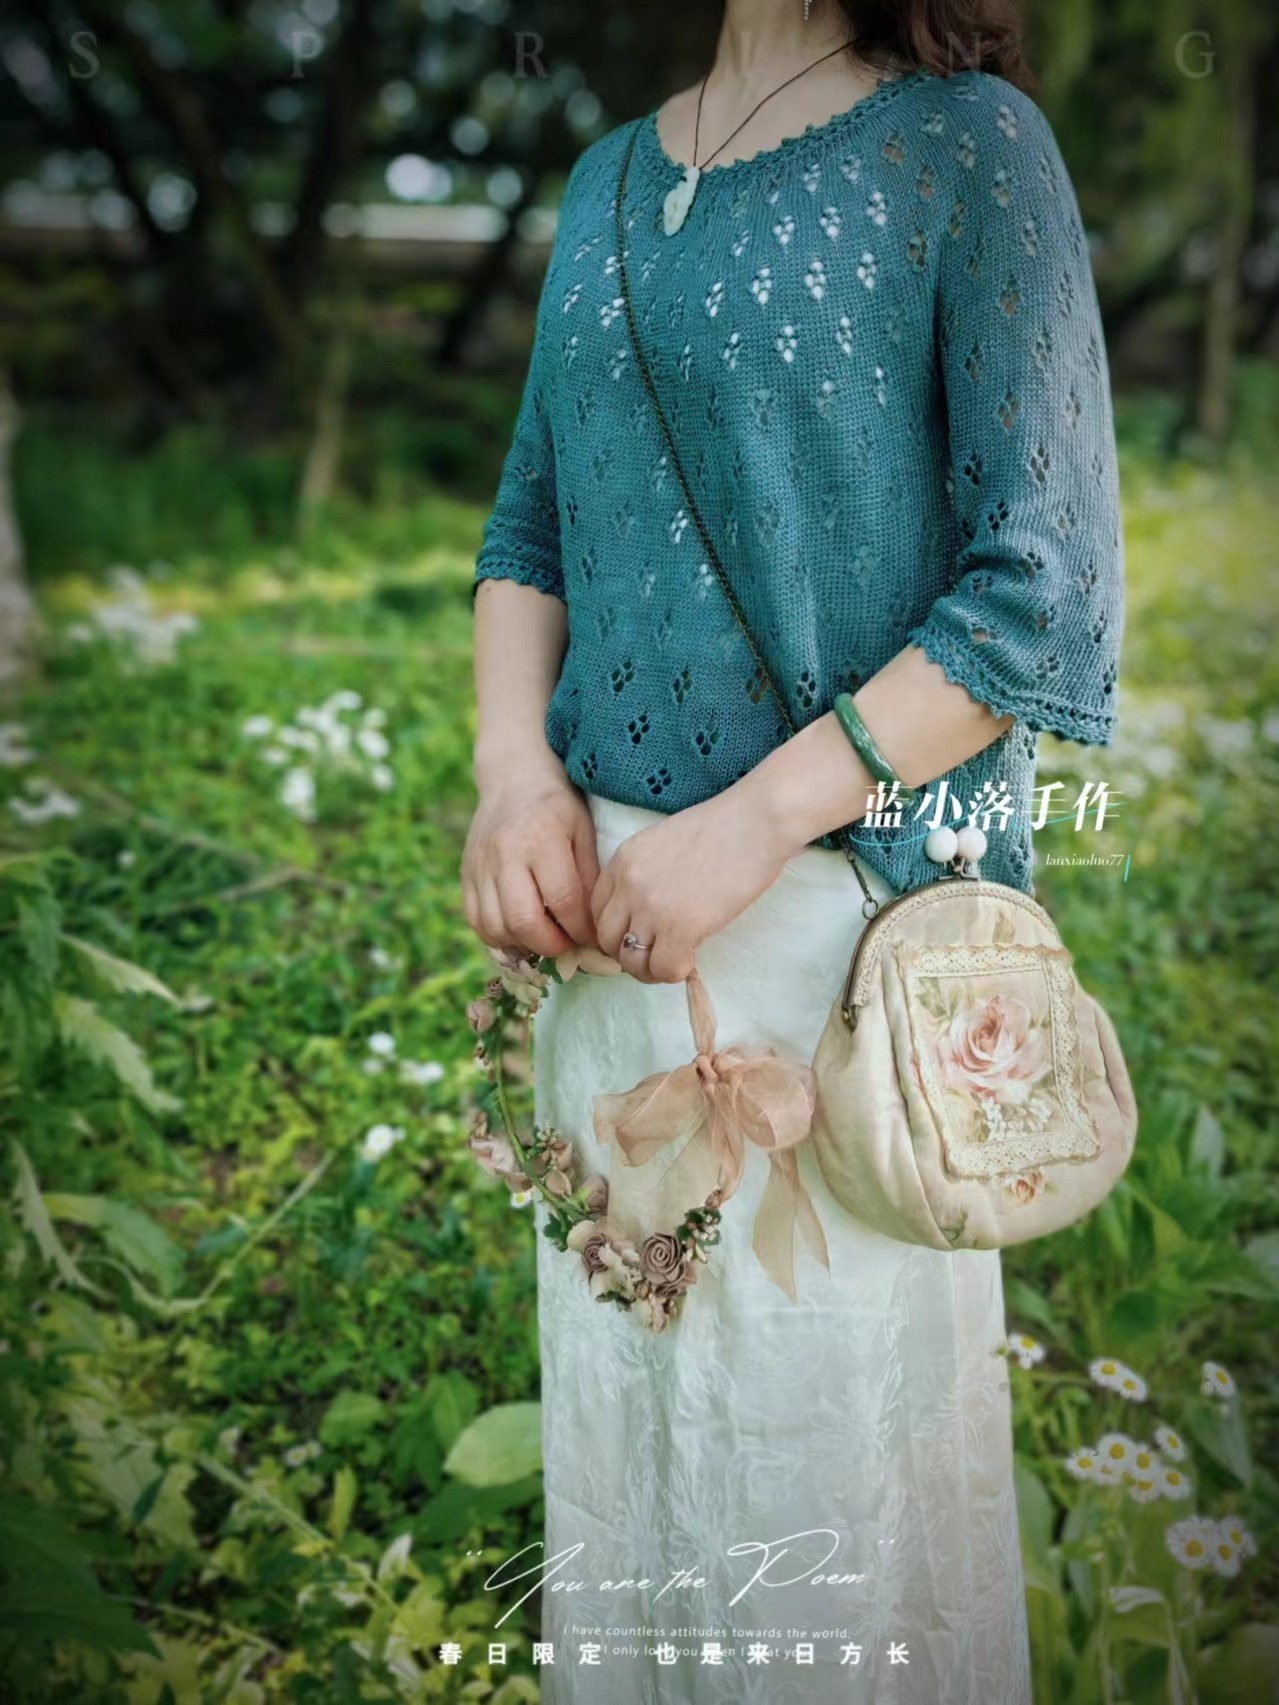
[[242, 1335]]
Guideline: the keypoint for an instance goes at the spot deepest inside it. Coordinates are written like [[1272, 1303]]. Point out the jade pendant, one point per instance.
[[675, 207]]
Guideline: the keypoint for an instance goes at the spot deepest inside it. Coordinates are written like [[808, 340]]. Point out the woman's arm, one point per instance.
[[530, 863], [924, 725]]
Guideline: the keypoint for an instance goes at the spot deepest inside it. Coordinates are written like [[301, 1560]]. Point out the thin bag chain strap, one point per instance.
[[708, 544]]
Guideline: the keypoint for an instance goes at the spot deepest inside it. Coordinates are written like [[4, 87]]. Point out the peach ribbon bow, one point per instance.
[[729, 1097]]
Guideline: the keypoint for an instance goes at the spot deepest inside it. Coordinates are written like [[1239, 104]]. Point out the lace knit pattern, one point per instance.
[[880, 352]]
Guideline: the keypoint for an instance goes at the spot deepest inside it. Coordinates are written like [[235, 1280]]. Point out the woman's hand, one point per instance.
[[529, 864], [679, 881]]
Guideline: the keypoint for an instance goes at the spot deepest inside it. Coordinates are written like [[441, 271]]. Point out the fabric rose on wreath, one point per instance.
[[993, 1049], [609, 1257], [667, 1271]]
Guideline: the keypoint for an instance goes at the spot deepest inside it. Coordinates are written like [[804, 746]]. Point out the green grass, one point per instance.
[[350, 1332]]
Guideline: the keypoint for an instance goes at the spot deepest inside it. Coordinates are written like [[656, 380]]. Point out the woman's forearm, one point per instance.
[[923, 724], [520, 635]]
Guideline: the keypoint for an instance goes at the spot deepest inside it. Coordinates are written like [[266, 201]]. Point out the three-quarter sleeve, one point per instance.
[[522, 534], [1032, 621]]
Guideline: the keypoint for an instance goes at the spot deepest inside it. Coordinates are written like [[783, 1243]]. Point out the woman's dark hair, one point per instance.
[[941, 35]]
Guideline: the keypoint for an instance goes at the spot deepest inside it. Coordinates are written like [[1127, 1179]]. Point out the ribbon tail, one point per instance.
[[786, 1207]]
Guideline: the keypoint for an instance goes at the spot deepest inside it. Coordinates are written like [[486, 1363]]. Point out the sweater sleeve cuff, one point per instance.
[[543, 577], [1089, 725]]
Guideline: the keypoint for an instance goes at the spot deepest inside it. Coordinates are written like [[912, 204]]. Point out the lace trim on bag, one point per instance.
[[996, 1052]]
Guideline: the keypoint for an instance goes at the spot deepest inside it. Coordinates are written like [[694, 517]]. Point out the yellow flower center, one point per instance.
[[1194, 1548]]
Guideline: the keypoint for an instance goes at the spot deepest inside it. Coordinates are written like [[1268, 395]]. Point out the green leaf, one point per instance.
[[1240, 1670], [349, 1417], [1218, 1428], [1263, 1252], [345, 1488], [137, 1240], [454, 1401], [35, 1216], [38, 918], [1207, 1144], [504, 1444], [121, 974], [83, 1026], [42, 1609], [40, 1537]]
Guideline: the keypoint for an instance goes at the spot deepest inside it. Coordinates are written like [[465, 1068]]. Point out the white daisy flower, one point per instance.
[[1189, 1540], [1106, 1373], [373, 743], [1131, 1386], [383, 777], [276, 756], [1083, 1464], [1216, 1381], [1117, 1450], [300, 739], [1239, 1536], [1170, 1444], [1027, 1350], [1143, 1488], [380, 1140], [43, 803], [257, 727], [14, 749], [522, 1198], [381, 960], [1173, 1483], [419, 1073], [297, 794], [1145, 1460], [344, 699], [1108, 1474], [1223, 1553], [383, 1043], [297, 1455]]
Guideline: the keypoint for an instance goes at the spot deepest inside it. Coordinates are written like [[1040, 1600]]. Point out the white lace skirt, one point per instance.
[[771, 1501]]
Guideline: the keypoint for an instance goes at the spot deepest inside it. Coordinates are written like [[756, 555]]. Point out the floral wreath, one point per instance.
[[725, 1098]]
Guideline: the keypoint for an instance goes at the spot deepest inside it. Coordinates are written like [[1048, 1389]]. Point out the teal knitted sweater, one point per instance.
[[879, 349]]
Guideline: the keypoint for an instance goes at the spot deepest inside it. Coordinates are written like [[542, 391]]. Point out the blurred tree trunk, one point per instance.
[[324, 452], [18, 622], [482, 284], [1219, 333], [336, 148]]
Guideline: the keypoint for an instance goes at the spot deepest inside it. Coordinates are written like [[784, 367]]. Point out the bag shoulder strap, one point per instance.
[[842, 836]]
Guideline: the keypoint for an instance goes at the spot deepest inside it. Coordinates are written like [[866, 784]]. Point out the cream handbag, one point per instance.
[[970, 1094]]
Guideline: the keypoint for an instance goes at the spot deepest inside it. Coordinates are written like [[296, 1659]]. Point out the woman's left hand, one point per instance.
[[679, 881]]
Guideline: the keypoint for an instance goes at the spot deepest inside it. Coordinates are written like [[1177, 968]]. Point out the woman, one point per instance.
[[872, 326]]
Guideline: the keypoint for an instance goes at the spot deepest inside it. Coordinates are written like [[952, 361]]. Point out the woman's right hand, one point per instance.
[[530, 864]]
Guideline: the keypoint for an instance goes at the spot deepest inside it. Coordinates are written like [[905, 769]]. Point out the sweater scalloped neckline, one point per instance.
[[839, 124]]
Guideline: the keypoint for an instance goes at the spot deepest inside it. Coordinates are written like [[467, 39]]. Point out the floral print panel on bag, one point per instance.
[[996, 1054]]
